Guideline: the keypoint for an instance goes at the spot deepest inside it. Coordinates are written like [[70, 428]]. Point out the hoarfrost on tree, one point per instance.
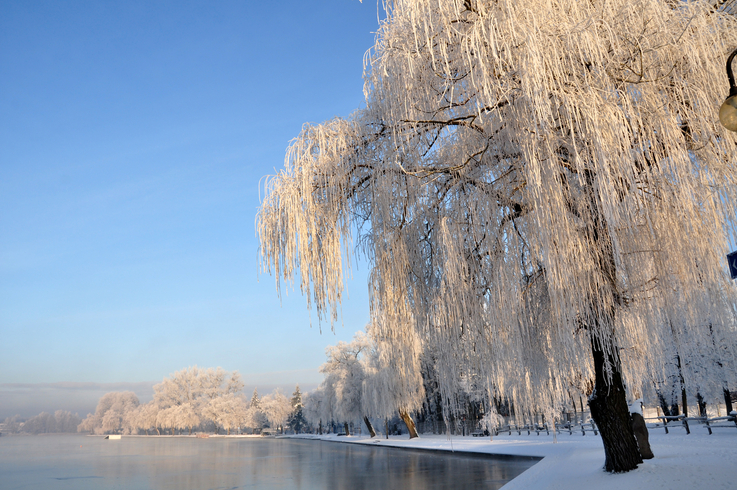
[[110, 414], [276, 408], [542, 189]]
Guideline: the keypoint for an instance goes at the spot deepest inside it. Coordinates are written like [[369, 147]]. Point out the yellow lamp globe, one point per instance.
[[728, 113]]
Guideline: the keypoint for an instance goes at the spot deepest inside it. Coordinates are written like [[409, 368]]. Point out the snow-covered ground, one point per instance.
[[694, 462]]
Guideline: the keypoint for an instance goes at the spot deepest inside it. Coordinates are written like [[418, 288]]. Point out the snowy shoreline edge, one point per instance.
[[576, 462]]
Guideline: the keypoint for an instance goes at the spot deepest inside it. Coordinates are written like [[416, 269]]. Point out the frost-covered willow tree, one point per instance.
[[345, 373], [542, 190], [393, 375]]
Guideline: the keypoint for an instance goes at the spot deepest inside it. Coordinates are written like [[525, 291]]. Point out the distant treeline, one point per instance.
[[43, 423], [195, 399]]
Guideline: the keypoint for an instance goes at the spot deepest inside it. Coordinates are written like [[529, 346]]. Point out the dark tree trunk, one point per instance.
[[409, 423], [670, 411], [320, 427], [347, 432], [684, 400], [608, 401], [608, 404], [702, 405], [386, 428], [369, 426], [728, 400]]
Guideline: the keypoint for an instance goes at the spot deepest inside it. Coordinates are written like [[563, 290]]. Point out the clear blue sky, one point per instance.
[[133, 138]]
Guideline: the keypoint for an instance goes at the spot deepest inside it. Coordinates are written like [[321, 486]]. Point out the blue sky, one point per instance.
[[134, 139]]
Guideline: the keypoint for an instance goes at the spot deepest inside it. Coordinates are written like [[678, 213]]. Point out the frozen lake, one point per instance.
[[81, 462]]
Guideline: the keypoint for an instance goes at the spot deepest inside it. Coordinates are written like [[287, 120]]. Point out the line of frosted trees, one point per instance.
[[364, 381], [60, 421], [194, 399], [362, 384]]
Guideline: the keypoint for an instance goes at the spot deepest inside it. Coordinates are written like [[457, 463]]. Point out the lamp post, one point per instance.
[[728, 111]]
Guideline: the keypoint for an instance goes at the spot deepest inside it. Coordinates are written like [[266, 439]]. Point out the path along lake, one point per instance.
[[181, 463]]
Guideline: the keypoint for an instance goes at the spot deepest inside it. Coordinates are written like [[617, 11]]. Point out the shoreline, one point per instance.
[[575, 462], [361, 440]]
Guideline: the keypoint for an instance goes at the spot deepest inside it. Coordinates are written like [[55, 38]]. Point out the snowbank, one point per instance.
[[696, 461]]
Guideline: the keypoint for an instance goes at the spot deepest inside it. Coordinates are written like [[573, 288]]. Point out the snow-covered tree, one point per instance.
[[345, 371], [166, 418], [314, 408], [12, 425], [109, 416], [145, 417], [296, 419], [188, 415], [186, 397], [228, 411], [393, 380], [131, 420], [42, 423], [276, 407], [255, 417], [255, 399], [66, 421], [542, 189]]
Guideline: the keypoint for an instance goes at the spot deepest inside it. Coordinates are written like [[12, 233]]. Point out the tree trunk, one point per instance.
[[701, 404], [608, 404], [608, 401], [668, 410], [684, 400], [728, 400], [386, 428], [369, 426], [345, 426], [320, 427], [409, 423]]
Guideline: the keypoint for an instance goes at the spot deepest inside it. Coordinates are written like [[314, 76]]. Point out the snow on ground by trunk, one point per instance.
[[695, 462]]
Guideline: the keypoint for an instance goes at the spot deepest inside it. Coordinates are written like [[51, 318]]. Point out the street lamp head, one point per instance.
[[728, 111]]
